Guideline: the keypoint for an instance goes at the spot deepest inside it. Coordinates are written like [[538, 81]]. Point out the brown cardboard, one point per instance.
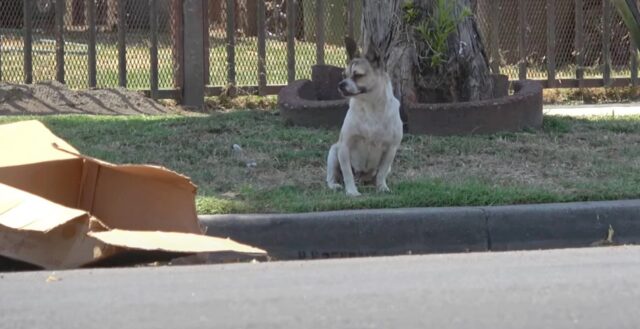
[[60, 209], [43, 233], [29, 162]]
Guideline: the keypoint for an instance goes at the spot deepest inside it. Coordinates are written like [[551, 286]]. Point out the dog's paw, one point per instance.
[[384, 189], [334, 186], [353, 193]]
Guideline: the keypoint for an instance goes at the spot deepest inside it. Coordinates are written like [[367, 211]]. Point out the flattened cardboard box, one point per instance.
[[60, 209]]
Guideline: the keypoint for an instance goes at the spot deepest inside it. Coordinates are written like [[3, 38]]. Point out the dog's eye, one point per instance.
[[358, 75]]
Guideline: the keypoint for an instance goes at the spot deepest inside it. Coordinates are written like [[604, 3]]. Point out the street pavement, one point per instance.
[[579, 288], [611, 110]]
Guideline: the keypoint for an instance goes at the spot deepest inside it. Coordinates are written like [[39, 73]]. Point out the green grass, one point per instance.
[[570, 160], [538, 71]]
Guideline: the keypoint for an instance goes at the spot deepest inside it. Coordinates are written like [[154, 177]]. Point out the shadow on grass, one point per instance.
[[615, 124]]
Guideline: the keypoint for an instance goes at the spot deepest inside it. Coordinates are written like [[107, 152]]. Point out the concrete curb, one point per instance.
[[612, 110], [432, 230]]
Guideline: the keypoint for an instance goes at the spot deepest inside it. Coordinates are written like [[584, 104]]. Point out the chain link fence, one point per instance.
[[556, 39], [260, 43], [77, 42], [280, 20]]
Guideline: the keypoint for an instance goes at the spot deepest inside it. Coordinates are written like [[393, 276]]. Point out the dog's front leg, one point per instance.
[[384, 169], [347, 173], [333, 168]]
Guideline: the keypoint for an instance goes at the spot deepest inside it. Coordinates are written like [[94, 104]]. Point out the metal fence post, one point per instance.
[[320, 32], [634, 57], [122, 45], [231, 43], [28, 41], [193, 85], [153, 53], [91, 51], [551, 43], [60, 10], [177, 49], [606, 42], [522, 40], [262, 48], [579, 42], [291, 40]]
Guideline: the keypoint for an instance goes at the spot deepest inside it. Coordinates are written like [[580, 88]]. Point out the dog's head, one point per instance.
[[363, 74]]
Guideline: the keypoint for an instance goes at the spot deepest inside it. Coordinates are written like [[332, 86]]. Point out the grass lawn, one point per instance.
[[570, 160]]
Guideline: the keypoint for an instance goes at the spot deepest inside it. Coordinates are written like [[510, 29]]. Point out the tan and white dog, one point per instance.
[[372, 130]]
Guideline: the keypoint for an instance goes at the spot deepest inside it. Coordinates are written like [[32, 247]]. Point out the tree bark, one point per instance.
[[463, 75]]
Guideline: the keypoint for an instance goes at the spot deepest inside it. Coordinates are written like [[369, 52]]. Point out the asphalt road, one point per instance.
[[586, 288]]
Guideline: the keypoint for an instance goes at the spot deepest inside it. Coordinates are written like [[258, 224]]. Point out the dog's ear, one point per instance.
[[352, 48], [374, 57]]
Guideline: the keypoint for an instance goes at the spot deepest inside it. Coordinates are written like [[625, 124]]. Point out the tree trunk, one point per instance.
[[457, 70]]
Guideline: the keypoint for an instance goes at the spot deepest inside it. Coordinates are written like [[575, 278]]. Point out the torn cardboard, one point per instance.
[[60, 209]]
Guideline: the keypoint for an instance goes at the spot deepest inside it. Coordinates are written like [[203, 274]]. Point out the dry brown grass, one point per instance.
[[591, 95]]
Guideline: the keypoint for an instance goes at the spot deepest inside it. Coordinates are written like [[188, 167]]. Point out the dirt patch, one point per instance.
[[52, 97]]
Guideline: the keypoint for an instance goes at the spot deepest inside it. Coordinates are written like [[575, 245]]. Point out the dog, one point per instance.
[[372, 129]]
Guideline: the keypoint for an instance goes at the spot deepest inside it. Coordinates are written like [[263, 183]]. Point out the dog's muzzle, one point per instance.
[[347, 88]]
